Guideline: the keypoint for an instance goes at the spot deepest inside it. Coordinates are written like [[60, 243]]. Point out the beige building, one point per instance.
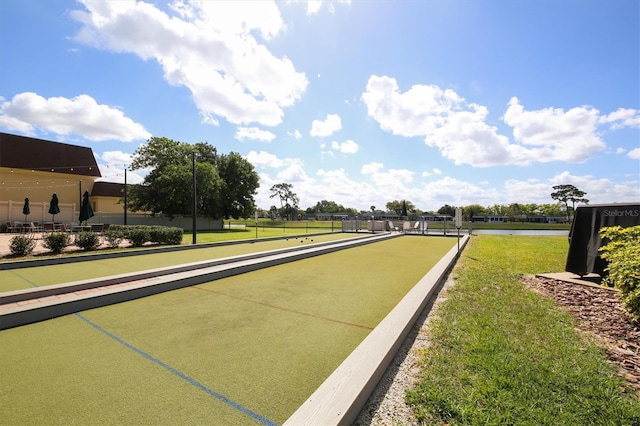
[[36, 169]]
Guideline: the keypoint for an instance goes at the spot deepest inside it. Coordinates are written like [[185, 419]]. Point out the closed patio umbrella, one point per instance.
[[54, 209], [25, 209], [86, 212]]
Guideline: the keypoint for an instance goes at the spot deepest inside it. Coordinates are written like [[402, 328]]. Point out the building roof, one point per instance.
[[22, 152], [107, 189]]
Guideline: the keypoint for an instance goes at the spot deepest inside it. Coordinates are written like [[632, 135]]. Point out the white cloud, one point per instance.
[[264, 159], [383, 186], [348, 147], [254, 133], [209, 47], [371, 168], [393, 182], [313, 6], [460, 131], [327, 127], [434, 171], [116, 158], [622, 117], [80, 115], [602, 190], [566, 136], [296, 134], [293, 172], [634, 154], [116, 174]]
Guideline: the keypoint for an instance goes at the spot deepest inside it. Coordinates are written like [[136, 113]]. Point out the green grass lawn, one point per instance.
[[265, 340], [501, 354]]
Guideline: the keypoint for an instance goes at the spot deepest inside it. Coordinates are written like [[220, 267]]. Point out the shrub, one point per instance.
[[166, 235], [138, 236], [173, 236], [155, 233], [3, 228], [56, 242], [622, 252], [87, 240], [22, 245], [114, 236]]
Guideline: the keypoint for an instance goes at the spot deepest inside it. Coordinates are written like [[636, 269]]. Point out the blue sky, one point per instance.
[[360, 102]]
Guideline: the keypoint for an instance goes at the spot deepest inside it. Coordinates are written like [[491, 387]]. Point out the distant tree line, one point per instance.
[[562, 193], [227, 183]]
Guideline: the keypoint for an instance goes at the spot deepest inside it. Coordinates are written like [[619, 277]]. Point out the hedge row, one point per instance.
[[56, 242], [139, 235]]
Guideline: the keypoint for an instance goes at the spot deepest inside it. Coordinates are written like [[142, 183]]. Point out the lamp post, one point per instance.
[[125, 196], [195, 202]]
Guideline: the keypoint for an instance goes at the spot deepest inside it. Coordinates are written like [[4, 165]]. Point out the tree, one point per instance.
[[447, 209], [474, 210], [288, 199], [273, 212], [565, 193], [326, 206], [395, 206], [168, 188], [239, 185]]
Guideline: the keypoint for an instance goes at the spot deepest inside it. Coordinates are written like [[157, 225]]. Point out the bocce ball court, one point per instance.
[[246, 349]]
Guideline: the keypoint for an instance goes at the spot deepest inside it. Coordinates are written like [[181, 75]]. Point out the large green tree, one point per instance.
[[239, 185], [395, 206], [474, 210], [447, 209], [565, 193], [168, 187]]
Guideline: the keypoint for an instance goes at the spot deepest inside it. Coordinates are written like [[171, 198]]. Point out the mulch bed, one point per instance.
[[599, 314]]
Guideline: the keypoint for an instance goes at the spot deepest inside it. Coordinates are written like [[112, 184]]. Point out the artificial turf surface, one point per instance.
[[20, 279], [241, 350]]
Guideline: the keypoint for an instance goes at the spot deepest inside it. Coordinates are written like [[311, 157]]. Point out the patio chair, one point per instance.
[[97, 227]]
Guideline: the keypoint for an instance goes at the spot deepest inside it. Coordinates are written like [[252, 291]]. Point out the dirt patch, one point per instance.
[[599, 314]]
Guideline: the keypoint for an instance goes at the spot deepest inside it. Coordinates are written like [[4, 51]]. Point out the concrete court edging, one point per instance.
[[17, 315], [128, 251], [340, 398], [70, 287]]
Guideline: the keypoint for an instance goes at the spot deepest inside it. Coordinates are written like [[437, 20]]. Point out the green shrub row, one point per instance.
[[139, 235], [622, 252], [56, 242]]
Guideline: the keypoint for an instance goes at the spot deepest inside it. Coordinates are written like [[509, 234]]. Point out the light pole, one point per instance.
[[195, 203], [125, 196]]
